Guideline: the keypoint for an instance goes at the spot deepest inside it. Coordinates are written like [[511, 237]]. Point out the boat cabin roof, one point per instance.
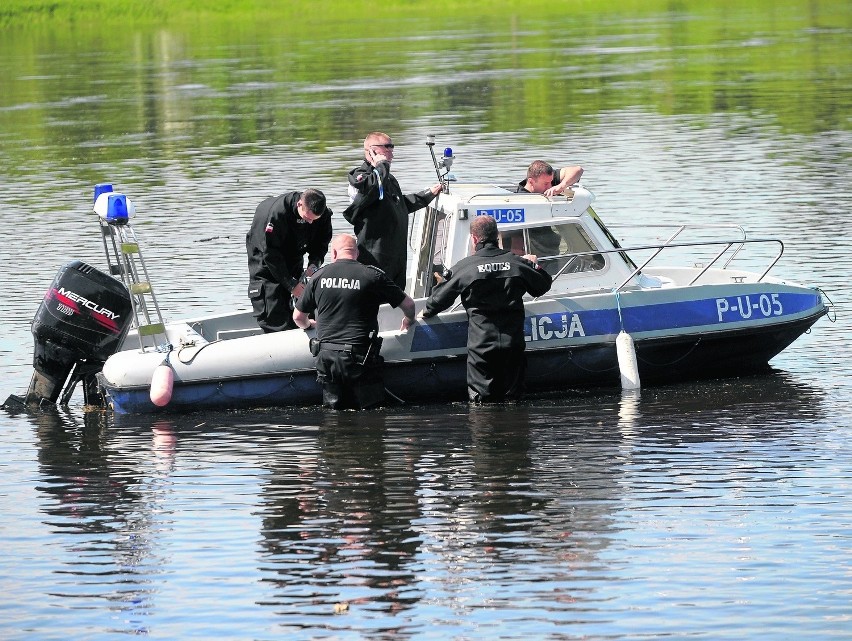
[[562, 231]]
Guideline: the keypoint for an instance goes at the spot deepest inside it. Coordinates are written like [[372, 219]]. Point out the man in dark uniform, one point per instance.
[[345, 296], [492, 283], [379, 210], [283, 230], [543, 179]]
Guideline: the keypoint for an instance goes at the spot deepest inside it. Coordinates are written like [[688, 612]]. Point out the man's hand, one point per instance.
[[302, 320], [436, 189], [407, 307], [377, 157]]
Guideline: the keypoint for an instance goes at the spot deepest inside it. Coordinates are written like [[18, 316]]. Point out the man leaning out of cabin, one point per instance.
[[542, 178], [492, 283], [345, 295]]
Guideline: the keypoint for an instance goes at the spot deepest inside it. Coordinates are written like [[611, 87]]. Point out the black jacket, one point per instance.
[[346, 296], [278, 240], [492, 283], [380, 218]]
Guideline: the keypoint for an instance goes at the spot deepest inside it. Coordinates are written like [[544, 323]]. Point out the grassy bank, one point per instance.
[[27, 13], [30, 12]]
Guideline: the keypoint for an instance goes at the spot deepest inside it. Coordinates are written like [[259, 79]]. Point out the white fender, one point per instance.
[[627, 363], [162, 383]]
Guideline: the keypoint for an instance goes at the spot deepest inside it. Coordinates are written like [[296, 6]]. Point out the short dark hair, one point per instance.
[[484, 228], [538, 168], [314, 200]]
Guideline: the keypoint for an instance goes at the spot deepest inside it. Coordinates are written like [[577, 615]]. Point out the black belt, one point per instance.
[[342, 347]]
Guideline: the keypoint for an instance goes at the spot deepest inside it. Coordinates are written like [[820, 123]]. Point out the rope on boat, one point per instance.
[[618, 308], [677, 360], [394, 397], [290, 382], [831, 311], [198, 351], [433, 371], [570, 358], [628, 366]]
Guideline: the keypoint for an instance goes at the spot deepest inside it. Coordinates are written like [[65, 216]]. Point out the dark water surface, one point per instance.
[[711, 510]]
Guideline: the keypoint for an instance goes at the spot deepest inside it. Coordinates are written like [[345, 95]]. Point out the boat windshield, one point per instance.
[[430, 258], [555, 247], [611, 238]]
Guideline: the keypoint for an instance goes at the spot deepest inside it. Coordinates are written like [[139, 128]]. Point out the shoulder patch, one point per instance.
[[374, 267]]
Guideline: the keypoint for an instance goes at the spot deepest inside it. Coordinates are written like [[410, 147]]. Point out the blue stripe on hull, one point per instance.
[[298, 388], [718, 311], [711, 313], [728, 352]]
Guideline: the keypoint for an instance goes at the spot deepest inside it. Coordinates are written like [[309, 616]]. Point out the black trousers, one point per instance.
[[496, 373], [271, 304], [348, 382]]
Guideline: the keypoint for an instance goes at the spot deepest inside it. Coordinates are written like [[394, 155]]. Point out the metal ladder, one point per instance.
[[125, 260]]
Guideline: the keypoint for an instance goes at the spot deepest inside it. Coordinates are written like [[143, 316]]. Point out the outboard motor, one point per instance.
[[82, 321]]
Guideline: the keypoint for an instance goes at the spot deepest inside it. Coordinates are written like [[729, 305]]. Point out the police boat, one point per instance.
[[617, 315]]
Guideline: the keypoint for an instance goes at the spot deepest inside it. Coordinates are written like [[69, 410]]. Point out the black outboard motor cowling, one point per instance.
[[82, 321]]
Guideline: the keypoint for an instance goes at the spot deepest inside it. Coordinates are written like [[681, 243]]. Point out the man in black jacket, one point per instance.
[[542, 178], [284, 229], [346, 295], [492, 283], [379, 210]]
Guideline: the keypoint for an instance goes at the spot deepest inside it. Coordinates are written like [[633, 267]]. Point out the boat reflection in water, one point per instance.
[[381, 511]]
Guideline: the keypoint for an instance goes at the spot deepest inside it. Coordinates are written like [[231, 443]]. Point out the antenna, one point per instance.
[[444, 164]]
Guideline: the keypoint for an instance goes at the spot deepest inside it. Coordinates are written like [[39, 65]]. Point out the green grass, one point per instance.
[[26, 13]]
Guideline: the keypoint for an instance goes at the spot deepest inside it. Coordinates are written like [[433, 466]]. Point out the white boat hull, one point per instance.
[[679, 333]]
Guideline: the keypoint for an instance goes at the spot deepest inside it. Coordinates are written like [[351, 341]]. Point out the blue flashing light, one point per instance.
[[448, 152], [102, 188], [117, 209]]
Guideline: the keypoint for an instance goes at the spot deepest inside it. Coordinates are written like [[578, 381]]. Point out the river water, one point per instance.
[[711, 510]]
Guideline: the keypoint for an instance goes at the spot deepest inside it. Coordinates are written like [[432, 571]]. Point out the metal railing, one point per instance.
[[679, 229], [726, 246]]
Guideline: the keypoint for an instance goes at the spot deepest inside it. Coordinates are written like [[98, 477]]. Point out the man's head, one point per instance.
[[311, 205], [378, 144], [482, 229], [344, 246], [539, 177]]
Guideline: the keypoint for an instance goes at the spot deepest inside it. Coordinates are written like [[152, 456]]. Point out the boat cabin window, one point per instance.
[[612, 239], [555, 246]]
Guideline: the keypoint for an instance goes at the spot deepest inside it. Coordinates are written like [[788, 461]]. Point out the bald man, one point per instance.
[[345, 296], [379, 210]]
